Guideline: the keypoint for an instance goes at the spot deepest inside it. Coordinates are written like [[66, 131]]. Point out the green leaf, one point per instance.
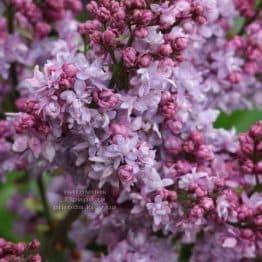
[[14, 181], [241, 120], [6, 220], [239, 22]]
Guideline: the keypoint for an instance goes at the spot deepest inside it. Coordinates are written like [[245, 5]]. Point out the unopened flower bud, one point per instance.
[[42, 29], [144, 60], [129, 57], [125, 173], [166, 50], [179, 43], [105, 99]]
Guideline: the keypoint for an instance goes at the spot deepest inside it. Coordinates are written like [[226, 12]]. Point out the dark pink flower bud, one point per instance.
[[253, 53], [254, 28], [137, 14], [251, 67], [54, 9], [236, 42], [166, 96], [31, 106], [104, 14], [120, 14], [20, 248], [57, 5], [244, 213], [165, 50], [89, 27], [207, 203], [259, 147], [168, 195], [144, 60], [2, 27], [42, 29], [205, 152], [247, 233], [192, 187], [96, 37], [92, 7], [129, 57], [20, 103], [73, 5], [31, 12], [35, 244], [258, 221], [18, 3], [24, 121], [183, 166], [21, 164], [109, 38], [174, 126], [246, 144], [105, 99], [141, 32], [4, 128], [135, 4], [259, 167], [43, 129], [235, 77], [125, 173], [197, 138], [143, 17], [201, 20], [2, 242], [15, 252], [198, 9], [200, 192], [35, 258], [168, 109], [179, 43], [118, 129], [248, 166], [196, 212], [70, 70], [65, 82], [256, 130], [189, 146], [220, 182]]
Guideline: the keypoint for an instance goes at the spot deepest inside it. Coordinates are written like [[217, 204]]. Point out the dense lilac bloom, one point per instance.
[[124, 103], [19, 251]]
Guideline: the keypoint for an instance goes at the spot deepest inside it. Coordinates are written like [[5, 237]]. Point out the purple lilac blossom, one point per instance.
[[125, 102]]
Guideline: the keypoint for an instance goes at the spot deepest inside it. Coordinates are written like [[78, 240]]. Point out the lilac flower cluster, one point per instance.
[[125, 102], [19, 252], [246, 8], [26, 38], [36, 17], [138, 33]]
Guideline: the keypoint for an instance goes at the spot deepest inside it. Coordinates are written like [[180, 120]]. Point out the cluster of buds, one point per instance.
[[251, 150], [138, 33], [248, 46], [246, 7], [38, 16], [19, 251]]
